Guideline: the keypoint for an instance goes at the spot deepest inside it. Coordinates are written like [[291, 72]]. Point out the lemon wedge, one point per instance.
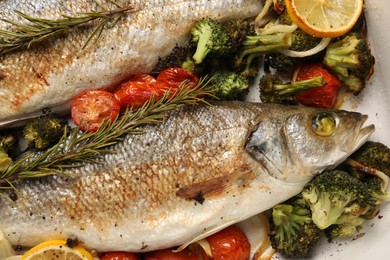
[[325, 18], [58, 250]]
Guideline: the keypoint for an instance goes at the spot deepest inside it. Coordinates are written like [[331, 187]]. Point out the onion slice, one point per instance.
[[263, 13], [279, 28], [6, 249], [300, 54], [256, 229]]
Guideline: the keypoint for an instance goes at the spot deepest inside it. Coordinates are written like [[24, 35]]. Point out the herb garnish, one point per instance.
[[78, 148], [39, 29]]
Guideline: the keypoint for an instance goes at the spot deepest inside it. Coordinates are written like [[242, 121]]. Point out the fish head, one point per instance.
[[299, 143]]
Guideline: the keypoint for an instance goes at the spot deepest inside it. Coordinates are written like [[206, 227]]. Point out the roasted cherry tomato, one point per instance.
[[230, 243], [136, 91], [90, 108], [172, 78], [119, 256], [168, 254], [324, 96]]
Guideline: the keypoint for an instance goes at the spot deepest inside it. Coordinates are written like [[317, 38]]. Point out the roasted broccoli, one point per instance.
[[229, 85], [44, 131], [272, 90], [270, 43], [377, 187], [211, 37], [350, 59], [335, 197], [282, 63], [341, 230], [8, 142], [293, 232], [373, 154], [237, 31], [180, 56]]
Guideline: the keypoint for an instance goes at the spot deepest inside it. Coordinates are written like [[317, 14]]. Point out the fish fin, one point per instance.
[[206, 189], [207, 233], [198, 191]]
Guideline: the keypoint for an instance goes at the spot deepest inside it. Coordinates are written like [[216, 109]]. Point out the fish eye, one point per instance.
[[324, 124]]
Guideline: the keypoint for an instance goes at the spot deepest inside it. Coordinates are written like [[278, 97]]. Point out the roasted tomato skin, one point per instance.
[[173, 78], [168, 254], [119, 256], [324, 96], [136, 91], [230, 243], [92, 107]]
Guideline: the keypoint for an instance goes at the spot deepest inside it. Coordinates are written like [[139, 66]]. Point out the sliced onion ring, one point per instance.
[[279, 28]]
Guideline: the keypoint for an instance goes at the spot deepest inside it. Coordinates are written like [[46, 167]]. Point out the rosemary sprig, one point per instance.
[[78, 148], [39, 29]]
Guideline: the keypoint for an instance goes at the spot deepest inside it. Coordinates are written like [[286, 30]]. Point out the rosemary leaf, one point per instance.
[[39, 29], [77, 148]]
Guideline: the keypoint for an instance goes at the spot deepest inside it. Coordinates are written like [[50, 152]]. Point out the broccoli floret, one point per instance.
[[350, 59], [180, 56], [272, 90], [335, 197], [377, 188], [340, 231], [293, 232], [44, 131], [229, 85], [237, 31], [211, 37], [8, 141], [282, 63], [262, 44], [375, 155]]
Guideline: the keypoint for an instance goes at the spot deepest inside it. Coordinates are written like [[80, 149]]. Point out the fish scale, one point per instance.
[[50, 73], [204, 168]]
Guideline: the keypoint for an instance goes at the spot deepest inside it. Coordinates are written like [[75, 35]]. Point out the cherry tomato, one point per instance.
[[136, 91], [324, 96], [119, 256], [90, 108], [173, 78], [168, 254], [230, 243]]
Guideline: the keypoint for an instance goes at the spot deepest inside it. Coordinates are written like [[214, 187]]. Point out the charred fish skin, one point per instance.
[[203, 169], [50, 73]]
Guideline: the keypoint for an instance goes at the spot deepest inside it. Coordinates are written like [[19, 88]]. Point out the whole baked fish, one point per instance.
[[52, 72], [205, 168]]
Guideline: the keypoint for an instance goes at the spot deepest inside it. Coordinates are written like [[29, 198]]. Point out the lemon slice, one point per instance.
[[325, 18], [58, 250]]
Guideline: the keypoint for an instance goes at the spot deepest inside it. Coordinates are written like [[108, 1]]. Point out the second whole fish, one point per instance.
[[204, 168], [52, 72]]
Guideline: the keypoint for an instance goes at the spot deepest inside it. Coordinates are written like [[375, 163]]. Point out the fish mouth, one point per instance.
[[362, 135]]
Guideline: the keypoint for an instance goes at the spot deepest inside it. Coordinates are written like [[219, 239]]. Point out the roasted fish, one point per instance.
[[204, 168], [50, 73]]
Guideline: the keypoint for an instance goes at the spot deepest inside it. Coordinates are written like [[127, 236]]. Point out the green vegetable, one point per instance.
[[229, 85], [211, 37], [373, 154], [350, 59], [335, 197], [272, 90], [293, 232], [42, 132], [181, 57], [341, 231], [8, 142], [271, 43]]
